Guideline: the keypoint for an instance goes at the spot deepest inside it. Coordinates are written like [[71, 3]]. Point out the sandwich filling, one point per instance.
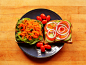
[[57, 31], [29, 31]]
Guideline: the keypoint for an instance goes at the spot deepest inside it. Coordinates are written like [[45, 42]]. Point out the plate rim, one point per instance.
[[41, 56]]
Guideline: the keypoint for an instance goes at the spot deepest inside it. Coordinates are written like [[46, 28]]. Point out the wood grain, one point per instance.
[[70, 54], [45, 63], [43, 3]]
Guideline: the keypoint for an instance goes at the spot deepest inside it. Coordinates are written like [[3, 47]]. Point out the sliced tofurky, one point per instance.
[[29, 31], [57, 31]]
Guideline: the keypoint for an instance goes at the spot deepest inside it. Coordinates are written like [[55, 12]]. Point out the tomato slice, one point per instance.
[[63, 36], [50, 25], [65, 23], [52, 39], [51, 34], [66, 29], [70, 31], [62, 28]]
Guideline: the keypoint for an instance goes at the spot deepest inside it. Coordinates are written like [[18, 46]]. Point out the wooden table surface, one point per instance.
[[70, 54]]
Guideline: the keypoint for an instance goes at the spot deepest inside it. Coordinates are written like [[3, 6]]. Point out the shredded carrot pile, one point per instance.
[[30, 29]]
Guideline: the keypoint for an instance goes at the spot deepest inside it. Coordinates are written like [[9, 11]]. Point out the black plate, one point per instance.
[[32, 50]]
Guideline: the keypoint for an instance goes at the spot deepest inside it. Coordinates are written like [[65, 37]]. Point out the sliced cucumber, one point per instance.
[[68, 22], [69, 37], [48, 40], [51, 35], [71, 30], [57, 21], [34, 42], [57, 40]]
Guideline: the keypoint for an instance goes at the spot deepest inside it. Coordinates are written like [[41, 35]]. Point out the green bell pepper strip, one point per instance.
[[21, 37], [33, 41]]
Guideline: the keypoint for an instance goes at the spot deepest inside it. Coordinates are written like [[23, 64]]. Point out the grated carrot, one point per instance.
[[30, 29]]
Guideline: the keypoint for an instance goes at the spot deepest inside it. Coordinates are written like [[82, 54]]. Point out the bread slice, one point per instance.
[[67, 40]]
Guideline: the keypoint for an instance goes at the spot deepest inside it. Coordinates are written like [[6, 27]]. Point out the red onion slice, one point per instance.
[[59, 25], [58, 29], [65, 32], [51, 32], [61, 31], [62, 38], [65, 25], [51, 23]]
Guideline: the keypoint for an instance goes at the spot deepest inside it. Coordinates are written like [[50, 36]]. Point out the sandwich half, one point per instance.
[[58, 31], [29, 31]]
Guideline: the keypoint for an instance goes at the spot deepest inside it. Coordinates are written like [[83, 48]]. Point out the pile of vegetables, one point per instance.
[[43, 47], [43, 18], [29, 31]]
